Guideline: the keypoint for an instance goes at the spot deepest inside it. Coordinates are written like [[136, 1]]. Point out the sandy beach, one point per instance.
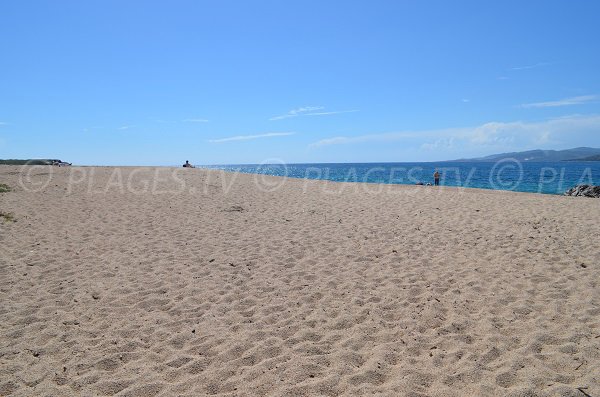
[[189, 282]]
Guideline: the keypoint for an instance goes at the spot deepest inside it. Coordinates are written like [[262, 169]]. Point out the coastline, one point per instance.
[[404, 185], [495, 180], [508, 175], [240, 287]]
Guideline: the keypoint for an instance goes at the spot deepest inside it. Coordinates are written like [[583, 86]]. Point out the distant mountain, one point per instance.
[[589, 158], [543, 155]]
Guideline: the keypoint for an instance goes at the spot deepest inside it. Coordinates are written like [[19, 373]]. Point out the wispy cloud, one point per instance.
[[383, 137], [250, 137], [3, 123], [533, 66], [500, 135], [195, 121], [440, 144], [125, 127], [577, 100], [303, 111], [328, 113], [309, 111]]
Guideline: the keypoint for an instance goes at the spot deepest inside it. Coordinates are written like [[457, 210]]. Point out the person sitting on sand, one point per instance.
[[436, 178], [187, 164]]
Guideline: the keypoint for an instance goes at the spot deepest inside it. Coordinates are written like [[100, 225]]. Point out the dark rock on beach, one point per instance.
[[584, 191]]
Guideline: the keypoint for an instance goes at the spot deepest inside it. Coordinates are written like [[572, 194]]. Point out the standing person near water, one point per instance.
[[436, 178]]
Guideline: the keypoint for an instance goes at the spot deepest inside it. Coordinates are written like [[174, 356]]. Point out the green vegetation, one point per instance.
[[590, 158], [27, 162], [7, 216], [4, 188]]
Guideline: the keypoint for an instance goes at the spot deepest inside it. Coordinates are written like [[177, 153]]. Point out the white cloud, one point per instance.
[[543, 138], [442, 143], [577, 100], [337, 140], [518, 135], [384, 137], [297, 112], [249, 137], [195, 120], [328, 113], [126, 127], [536, 65], [309, 111]]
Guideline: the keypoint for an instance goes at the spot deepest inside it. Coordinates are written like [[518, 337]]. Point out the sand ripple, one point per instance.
[[297, 292]]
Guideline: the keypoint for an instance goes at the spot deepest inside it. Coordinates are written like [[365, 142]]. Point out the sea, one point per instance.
[[506, 174]]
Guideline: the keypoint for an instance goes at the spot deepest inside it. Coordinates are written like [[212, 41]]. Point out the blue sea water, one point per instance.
[[538, 177]]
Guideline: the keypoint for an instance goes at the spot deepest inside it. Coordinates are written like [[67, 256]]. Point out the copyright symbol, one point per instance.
[[506, 174], [262, 177], [28, 177]]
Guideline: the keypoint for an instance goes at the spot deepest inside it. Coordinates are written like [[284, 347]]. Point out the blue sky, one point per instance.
[[222, 82]]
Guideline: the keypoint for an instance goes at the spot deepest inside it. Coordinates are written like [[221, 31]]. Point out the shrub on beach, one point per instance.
[[7, 216]]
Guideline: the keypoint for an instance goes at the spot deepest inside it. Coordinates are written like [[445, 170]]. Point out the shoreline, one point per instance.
[[300, 178], [390, 184]]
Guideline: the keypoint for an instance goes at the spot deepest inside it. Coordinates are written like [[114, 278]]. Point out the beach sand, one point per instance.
[[173, 282]]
